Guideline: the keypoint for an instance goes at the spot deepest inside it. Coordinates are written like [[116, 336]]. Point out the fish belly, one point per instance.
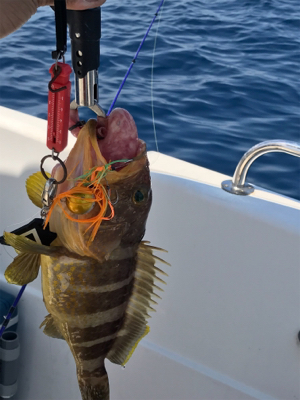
[[87, 301]]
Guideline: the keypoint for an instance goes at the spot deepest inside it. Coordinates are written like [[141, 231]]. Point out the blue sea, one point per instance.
[[226, 75]]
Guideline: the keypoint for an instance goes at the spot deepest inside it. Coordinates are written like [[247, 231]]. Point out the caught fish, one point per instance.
[[98, 276]]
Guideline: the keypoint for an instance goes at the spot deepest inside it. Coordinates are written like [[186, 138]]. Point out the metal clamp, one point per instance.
[[238, 185], [98, 110], [85, 33], [48, 195], [49, 192]]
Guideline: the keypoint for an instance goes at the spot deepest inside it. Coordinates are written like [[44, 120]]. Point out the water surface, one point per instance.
[[226, 76]]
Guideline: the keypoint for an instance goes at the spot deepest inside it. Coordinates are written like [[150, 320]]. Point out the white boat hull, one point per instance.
[[228, 323]]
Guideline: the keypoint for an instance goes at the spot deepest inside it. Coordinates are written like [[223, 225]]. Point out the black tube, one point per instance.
[[85, 33], [9, 364]]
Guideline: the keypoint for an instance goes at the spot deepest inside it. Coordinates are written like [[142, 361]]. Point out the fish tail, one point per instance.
[[94, 387]]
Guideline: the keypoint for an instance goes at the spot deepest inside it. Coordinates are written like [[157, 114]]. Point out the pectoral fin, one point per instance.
[[50, 328], [23, 269], [24, 245]]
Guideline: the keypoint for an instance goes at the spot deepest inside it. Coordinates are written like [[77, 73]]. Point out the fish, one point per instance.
[[99, 277]]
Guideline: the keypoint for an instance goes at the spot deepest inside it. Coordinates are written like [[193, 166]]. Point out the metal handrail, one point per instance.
[[238, 185]]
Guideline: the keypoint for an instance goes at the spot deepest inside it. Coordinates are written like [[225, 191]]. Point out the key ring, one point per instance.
[[55, 157]]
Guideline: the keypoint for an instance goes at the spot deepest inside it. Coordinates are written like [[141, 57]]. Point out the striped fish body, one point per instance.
[[98, 278], [88, 301], [87, 295]]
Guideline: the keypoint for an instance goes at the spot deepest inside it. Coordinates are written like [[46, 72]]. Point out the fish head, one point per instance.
[[106, 198]]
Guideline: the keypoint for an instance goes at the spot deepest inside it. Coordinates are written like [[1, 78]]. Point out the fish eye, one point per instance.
[[139, 196]]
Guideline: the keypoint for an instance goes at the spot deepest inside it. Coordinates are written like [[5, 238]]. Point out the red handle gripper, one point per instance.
[[59, 106]]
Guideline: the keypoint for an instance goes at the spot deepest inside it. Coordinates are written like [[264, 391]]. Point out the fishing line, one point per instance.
[[11, 310], [152, 80], [9, 227], [6, 251], [134, 59]]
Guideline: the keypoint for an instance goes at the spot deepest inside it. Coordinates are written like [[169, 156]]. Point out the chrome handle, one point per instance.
[[238, 185]]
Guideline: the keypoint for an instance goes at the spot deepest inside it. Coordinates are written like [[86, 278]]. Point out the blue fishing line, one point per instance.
[[134, 59], [11, 311]]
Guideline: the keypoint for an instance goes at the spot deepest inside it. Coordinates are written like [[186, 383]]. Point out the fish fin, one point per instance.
[[126, 344], [23, 269], [25, 245], [135, 326], [50, 328], [34, 186]]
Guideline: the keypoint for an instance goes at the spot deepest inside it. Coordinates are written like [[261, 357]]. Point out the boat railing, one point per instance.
[[238, 185]]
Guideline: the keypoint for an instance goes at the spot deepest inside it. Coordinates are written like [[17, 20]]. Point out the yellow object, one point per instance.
[[78, 204], [35, 186], [94, 193]]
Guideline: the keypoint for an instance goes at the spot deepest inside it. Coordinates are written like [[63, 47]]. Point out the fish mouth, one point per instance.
[[109, 140], [117, 137]]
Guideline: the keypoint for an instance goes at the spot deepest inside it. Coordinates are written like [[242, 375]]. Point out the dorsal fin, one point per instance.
[[135, 326]]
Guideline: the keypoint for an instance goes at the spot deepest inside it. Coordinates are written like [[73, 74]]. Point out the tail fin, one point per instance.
[[94, 387]]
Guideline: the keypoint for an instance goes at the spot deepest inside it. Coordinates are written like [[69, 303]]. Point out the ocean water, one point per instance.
[[226, 76]]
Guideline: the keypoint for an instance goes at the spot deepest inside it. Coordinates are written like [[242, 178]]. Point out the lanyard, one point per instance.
[[61, 29]]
